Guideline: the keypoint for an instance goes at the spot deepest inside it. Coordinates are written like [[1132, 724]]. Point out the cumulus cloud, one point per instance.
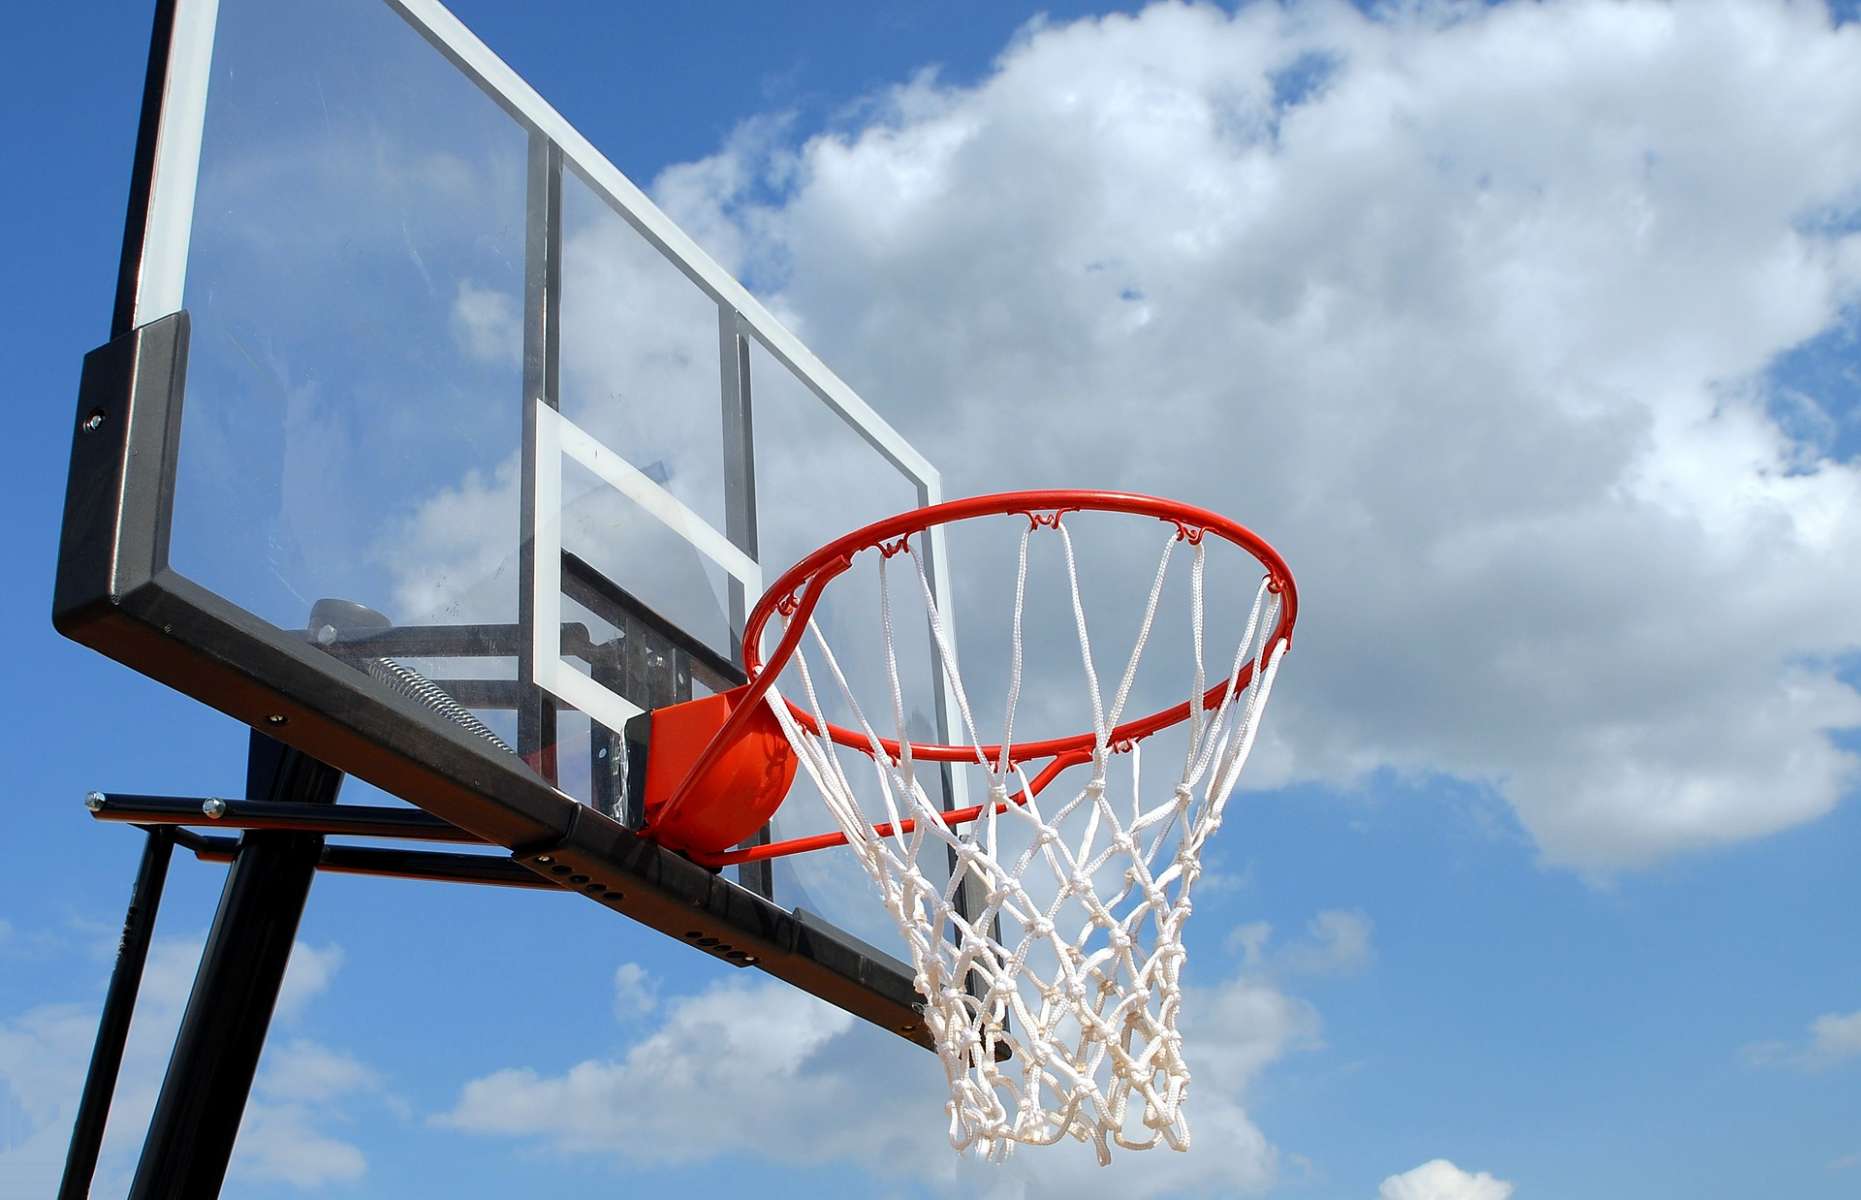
[[1336, 942], [756, 1067], [283, 1143], [311, 970], [1469, 310], [636, 993], [1833, 1038], [301, 1069], [302, 1084], [1442, 1180], [487, 323], [298, 1090]]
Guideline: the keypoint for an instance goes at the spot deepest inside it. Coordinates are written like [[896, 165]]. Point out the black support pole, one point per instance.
[[216, 1052], [119, 1005]]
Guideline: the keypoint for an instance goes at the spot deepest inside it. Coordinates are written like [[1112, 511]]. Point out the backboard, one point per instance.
[[428, 444]]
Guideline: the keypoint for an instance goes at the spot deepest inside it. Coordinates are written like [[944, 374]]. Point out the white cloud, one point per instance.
[[298, 1090], [1249, 941], [636, 994], [487, 323], [1834, 1038], [306, 977], [45, 1051], [1475, 329], [282, 1142], [759, 1068], [1336, 942], [1442, 1180], [301, 1069]]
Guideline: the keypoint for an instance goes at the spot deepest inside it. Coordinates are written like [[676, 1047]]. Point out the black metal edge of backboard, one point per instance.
[[142, 175], [623, 871], [116, 593]]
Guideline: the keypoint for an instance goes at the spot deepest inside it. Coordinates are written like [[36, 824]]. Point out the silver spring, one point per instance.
[[423, 691]]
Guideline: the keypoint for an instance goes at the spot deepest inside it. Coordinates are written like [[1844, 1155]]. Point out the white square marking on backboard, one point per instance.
[[557, 437]]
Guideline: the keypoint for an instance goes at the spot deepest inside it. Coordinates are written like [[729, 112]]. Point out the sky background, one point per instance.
[[1529, 334]]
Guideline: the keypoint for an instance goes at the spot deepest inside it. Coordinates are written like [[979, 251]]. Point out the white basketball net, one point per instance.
[[1095, 1048]]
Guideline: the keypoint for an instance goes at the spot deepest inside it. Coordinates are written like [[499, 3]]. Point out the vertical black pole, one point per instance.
[[216, 1053], [119, 1005]]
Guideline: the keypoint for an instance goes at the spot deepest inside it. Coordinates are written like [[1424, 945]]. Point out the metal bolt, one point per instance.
[[94, 801], [275, 719], [544, 859], [93, 422], [214, 807]]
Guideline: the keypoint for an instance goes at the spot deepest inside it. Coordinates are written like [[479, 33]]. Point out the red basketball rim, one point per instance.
[[799, 587]]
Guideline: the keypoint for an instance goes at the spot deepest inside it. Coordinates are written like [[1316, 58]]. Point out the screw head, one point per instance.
[[94, 801], [275, 719], [214, 807], [544, 859], [94, 421]]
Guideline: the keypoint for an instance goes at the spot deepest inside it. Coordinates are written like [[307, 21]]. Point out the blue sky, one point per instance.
[[1536, 331]]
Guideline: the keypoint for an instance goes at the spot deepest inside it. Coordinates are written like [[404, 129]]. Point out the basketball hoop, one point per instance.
[[1090, 1048]]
